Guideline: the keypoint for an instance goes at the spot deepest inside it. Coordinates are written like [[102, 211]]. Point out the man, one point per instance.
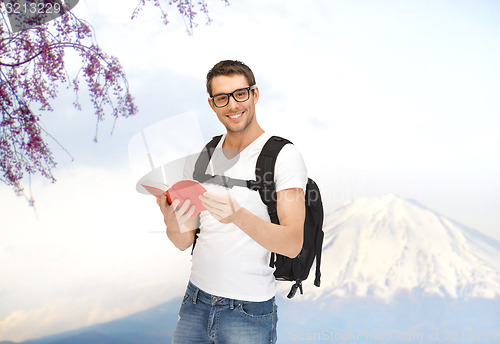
[[230, 296]]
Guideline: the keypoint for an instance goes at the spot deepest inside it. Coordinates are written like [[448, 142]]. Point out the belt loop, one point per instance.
[[231, 304], [195, 295]]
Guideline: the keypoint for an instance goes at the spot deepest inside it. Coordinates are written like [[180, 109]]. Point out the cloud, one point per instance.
[[96, 252]]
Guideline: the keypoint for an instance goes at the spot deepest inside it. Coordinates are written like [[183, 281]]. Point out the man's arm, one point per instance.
[[182, 240], [285, 238], [177, 219]]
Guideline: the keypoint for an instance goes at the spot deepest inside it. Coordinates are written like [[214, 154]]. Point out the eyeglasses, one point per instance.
[[240, 95]]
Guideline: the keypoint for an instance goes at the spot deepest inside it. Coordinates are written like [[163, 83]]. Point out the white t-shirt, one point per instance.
[[226, 262]]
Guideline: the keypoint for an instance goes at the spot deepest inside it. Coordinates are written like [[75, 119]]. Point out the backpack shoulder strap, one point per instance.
[[199, 172], [204, 158], [200, 168], [264, 173]]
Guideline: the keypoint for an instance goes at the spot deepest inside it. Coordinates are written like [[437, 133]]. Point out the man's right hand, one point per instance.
[[176, 219]]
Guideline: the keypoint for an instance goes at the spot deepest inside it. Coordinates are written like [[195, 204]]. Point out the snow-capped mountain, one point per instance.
[[382, 246], [374, 249]]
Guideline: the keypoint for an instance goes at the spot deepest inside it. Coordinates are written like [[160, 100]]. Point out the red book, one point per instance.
[[185, 189]]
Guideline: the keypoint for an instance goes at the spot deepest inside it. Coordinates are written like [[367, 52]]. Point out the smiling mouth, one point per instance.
[[235, 116]]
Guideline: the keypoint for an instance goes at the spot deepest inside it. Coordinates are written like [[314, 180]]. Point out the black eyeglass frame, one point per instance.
[[229, 95]]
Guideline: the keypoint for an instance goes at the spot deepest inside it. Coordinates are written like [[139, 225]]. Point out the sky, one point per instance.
[[379, 97]]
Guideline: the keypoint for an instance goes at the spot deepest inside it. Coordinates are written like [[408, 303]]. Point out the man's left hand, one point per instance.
[[222, 207]]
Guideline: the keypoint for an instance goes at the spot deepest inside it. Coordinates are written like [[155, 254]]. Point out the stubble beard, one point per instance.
[[245, 126]]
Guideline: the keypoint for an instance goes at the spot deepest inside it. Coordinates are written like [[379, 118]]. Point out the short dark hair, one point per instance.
[[228, 67]]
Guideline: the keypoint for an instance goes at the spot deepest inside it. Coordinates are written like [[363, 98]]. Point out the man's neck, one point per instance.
[[238, 141]]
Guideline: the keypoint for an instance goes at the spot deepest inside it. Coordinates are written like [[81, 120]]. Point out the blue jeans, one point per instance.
[[206, 318]]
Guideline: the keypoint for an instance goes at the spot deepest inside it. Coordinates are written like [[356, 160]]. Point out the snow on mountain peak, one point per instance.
[[380, 246]]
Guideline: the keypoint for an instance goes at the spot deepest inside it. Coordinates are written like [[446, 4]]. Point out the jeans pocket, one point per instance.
[[257, 310]]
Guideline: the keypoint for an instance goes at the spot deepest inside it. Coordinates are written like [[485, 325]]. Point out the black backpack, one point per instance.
[[287, 269]]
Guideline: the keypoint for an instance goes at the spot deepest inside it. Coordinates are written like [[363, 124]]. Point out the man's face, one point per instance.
[[235, 116]]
